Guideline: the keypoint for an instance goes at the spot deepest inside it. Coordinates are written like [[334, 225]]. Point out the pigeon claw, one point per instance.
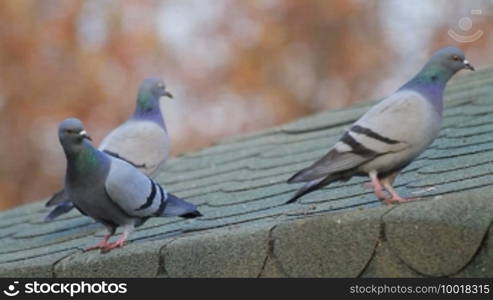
[[93, 248], [119, 243], [395, 199], [111, 246], [102, 244]]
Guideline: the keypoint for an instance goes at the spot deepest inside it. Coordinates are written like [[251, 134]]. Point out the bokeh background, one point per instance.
[[234, 66]]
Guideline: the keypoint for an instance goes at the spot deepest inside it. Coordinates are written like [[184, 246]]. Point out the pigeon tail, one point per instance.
[[178, 207], [59, 210], [192, 215], [58, 197], [313, 186], [298, 177]]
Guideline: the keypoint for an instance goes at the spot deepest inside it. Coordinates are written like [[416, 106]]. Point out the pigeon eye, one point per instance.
[[455, 58]]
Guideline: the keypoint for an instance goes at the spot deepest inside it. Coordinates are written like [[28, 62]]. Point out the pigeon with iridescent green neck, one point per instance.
[[142, 140], [110, 190], [391, 134]]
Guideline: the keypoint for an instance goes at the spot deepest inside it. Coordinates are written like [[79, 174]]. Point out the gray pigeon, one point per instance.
[[110, 190], [391, 134], [142, 140]]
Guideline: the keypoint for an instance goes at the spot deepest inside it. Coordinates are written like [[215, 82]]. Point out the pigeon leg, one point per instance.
[[121, 241], [377, 186], [395, 198], [102, 244]]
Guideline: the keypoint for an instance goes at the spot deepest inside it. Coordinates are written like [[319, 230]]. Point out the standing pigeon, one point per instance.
[[391, 134], [142, 140], [110, 190]]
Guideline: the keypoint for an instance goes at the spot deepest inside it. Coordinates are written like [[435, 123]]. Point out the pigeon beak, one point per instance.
[[84, 135], [468, 66], [168, 94]]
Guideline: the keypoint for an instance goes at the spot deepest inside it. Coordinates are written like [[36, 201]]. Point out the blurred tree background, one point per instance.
[[234, 66]]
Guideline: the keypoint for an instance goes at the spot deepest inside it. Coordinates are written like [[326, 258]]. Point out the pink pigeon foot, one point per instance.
[[394, 196], [119, 243], [101, 245], [114, 245], [395, 199]]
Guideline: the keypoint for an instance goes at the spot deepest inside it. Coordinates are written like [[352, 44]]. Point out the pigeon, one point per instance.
[[142, 140], [110, 190], [390, 135]]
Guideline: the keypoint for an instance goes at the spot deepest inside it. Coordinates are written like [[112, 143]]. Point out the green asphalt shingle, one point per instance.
[[247, 231]]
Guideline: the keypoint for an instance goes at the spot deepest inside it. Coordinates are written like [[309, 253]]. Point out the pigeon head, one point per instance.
[[150, 91], [450, 59], [72, 134], [81, 156], [431, 80]]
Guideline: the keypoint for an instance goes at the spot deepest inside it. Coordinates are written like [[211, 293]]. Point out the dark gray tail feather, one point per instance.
[[306, 175], [60, 209], [313, 186], [178, 207], [295, 177], [58, 197], [63, 205], [313, 172]]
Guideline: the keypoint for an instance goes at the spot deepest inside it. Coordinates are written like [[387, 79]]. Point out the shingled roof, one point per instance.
[[247, 231]]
